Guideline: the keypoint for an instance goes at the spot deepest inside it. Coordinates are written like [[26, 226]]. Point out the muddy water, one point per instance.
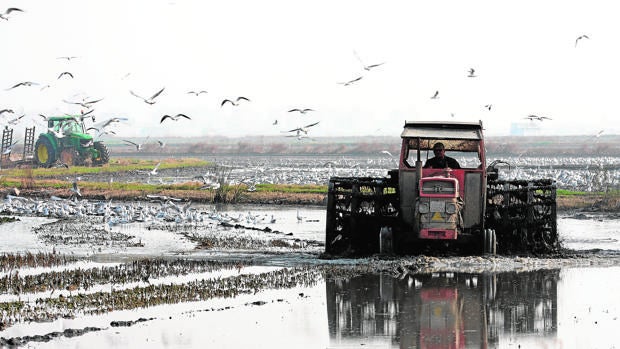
[[275, 297]]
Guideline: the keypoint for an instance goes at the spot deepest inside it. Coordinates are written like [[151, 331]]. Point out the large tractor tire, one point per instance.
[[104, 154], [44, 152], [70, 156]]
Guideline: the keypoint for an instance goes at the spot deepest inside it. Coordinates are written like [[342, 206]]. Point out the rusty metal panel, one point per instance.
[[472, 210]]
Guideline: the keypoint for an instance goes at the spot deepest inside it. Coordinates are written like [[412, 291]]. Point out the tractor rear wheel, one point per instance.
[[104, 154], [70, 156], [44, 152]]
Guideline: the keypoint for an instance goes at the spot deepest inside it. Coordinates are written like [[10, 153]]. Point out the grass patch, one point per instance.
[[115, 165]]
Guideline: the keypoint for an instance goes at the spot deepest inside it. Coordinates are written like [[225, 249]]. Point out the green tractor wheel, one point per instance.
[[44, 152], [104, 154]]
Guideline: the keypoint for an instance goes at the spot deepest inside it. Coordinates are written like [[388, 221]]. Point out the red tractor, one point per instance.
[[417, 208]]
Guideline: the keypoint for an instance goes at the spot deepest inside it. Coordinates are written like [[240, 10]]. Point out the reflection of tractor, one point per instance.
[[418, 207], [67, 142]]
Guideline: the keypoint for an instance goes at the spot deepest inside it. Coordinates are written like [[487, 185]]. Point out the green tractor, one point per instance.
[[66, 142]]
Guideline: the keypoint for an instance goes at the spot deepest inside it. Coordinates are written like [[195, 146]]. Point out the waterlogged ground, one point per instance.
[[258, 281]]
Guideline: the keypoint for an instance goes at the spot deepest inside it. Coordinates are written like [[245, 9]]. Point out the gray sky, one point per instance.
[[293, 54]]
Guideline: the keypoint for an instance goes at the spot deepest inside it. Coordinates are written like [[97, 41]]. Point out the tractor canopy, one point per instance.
[[68, 125]]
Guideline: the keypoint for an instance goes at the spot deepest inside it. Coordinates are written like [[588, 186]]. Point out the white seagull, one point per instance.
[[303, 129], [138, 146], [235, 102], [302, 111], [175, 117], [436, 95], [197, 93], [8, 12], [580, 37], [150, 100], [351, 81]]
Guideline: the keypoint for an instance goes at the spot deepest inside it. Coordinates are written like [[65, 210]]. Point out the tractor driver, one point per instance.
[[440, 160]]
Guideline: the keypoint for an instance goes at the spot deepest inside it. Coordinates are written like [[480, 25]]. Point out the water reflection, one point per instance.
[[442, 310]]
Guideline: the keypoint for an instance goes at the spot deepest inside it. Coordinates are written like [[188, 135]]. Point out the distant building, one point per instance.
[[528, 128]]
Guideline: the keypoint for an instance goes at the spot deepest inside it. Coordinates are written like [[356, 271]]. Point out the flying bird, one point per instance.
[[303, 129], [84, 103], [16, 120], [25, 83], [536, 117], [197, 93], [367, 67], [175, 117], [9, 149], [471, 73], [488, 106], [138, 146], [2, 111], [302, 111], [65, 73], [581, 37], [150, 100], [236, 102], [8, 11], [387, 153], [275, 122], [66, 57], [351, 81], [161, 143], [436, 95]]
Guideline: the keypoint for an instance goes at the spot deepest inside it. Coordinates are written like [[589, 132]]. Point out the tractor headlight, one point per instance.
[[450, 208], [423, 208]]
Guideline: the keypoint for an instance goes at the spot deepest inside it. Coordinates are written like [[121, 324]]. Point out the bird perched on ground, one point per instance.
[[347, 83], [8, 12], [235, 102], [302, 111], [197, 93], [24, 83], [300, 218], [154, 170], [65, 73], [436, 95], [150, 100], [175, 117], [581, 37], [75, 189]]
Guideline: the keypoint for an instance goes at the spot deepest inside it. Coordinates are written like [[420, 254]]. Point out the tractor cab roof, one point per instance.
[[63, 117], [461, 136]]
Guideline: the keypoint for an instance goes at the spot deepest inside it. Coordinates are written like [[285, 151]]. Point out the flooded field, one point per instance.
[[165, 274], [70, 283]]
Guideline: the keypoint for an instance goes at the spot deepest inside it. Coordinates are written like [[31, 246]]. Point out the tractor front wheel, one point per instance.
[[104, 154], [44, 153]]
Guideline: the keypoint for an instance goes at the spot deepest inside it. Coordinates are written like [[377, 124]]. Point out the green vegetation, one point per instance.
[[291, 188], [115, 165]]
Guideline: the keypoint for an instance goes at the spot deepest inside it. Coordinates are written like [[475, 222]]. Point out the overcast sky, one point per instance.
[[295, 54]]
